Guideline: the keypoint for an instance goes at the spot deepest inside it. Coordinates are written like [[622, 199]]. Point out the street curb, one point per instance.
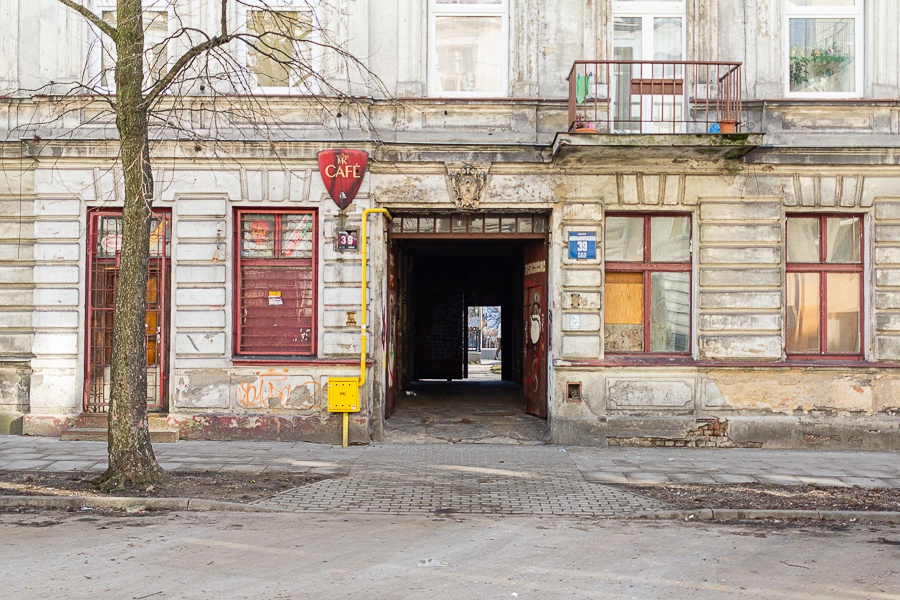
[[736, 514], [129, 503]]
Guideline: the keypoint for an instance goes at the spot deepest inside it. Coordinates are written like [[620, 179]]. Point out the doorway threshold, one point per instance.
[[463, 412]]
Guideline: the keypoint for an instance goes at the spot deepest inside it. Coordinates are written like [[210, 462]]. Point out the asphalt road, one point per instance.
[[85, 554]]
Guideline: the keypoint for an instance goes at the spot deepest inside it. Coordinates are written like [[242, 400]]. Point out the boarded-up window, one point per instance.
[[824, 286], [276, 300], [647, 284]]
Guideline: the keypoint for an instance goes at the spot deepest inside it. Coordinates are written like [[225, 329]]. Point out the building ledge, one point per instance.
[[668, 146]]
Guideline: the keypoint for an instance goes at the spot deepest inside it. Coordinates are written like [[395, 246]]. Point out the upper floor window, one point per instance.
[[825, 47], [277, 52], [648, 97], [468, 48], [647, 284], [156, 21], [824, 286], [648, 30]]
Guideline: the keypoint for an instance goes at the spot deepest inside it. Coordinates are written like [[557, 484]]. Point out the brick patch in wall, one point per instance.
[[710, 433]]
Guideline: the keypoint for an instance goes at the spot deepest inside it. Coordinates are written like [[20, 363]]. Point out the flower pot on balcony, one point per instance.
[[727, 126], [585, 130]]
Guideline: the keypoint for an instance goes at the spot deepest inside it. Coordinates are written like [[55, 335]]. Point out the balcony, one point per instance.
[[676, 108]]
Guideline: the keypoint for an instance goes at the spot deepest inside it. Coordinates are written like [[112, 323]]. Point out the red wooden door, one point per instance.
[[390, 333], [534, 380]]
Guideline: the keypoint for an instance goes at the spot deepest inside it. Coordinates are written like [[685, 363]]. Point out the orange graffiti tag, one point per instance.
[[273, 390]]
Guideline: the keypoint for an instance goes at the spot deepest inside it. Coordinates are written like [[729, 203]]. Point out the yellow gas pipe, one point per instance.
[[362, 323]]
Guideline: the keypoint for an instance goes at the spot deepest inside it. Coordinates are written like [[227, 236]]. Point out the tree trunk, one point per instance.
[[131, 458]]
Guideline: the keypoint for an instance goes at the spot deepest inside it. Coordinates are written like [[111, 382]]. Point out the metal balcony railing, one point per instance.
[[634, 96]]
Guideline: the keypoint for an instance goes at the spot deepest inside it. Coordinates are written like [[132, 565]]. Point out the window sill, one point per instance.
[[686, 361], [298, 361]]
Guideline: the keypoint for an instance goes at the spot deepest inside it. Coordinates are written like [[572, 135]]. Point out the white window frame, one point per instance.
[[647, 11], [95, 50], [792, 11], [310, 7], [435, 10]]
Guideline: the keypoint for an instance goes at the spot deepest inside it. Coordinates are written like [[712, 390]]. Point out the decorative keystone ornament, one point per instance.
[[342, 172], [468, 185]]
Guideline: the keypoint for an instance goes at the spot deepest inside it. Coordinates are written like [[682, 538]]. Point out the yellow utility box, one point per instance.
[[343, 394]]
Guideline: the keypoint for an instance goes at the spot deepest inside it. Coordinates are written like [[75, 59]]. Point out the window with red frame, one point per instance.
[[647, 284], [824, 286], [276, 282]]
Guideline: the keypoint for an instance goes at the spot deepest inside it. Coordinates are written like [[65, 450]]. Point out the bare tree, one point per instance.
[[155, 98]]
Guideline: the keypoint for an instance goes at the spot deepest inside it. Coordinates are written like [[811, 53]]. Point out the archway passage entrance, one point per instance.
[[440, 267]]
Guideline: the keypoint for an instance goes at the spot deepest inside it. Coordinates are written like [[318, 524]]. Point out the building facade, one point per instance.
[[688, 211]]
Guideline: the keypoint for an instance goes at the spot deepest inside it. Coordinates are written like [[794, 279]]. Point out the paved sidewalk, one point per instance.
[[598, 465], [464, 479], [476, 478]]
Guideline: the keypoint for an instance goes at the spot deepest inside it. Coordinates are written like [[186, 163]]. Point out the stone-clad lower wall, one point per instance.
[[740, 277], [746, 407], [886, 260], [738, 319], [212, 393], [16, 298]]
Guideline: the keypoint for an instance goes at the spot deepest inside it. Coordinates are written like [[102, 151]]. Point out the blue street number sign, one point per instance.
[[582, 244]]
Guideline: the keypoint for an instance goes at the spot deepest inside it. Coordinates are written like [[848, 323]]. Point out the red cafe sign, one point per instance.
[[342, 171]]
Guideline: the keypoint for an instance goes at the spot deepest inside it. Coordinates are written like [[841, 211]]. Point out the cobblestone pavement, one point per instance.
[[464, 479]]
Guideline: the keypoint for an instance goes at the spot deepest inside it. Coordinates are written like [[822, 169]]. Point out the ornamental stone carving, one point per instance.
[[467, 185]]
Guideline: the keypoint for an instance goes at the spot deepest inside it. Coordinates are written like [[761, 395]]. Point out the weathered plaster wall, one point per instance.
[[16, 291], [756, 407]]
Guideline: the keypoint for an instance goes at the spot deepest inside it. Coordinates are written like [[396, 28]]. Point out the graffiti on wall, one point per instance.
[[277, 389]]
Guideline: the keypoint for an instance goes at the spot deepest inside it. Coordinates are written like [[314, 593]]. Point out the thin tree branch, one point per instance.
[[224, 18], [183, 61], [99, 23]]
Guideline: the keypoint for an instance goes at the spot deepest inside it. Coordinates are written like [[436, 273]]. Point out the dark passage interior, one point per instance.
[[440, 391]]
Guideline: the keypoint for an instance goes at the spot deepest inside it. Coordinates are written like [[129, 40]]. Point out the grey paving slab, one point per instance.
[[76, 465], [26, 456], [644, 477], [241, 468], [25, 465], [699, 478], [779, 479], [866, 482], [733, 478], [823, 481]]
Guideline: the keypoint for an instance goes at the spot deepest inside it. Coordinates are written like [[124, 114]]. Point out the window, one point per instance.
[[825, 43], [277, 52], [648, 31], [156, 37], [276, 282], [824, 286], [468, 48], [647, 284]]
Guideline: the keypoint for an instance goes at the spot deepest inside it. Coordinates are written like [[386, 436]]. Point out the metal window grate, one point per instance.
[[104, 245], [276, 283]]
